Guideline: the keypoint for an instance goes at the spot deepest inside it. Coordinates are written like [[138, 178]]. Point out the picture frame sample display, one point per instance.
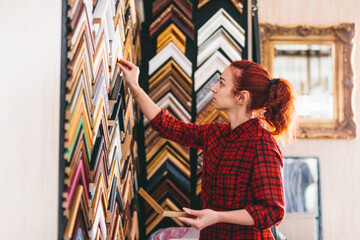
[[98, 191], [188, 46]]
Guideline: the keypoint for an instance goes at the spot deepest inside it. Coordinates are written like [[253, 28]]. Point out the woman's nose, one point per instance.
[[214, 88]]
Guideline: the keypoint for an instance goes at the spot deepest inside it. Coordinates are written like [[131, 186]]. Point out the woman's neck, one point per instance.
[[238, 117]]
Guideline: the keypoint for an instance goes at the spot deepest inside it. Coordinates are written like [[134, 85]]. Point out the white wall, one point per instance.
[[30, 35], [339, 159]]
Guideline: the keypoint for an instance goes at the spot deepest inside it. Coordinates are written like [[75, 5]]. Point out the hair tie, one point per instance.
[[272, 82]]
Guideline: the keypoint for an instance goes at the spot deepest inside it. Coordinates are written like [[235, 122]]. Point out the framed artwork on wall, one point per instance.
[[301, 177], [317, 61]]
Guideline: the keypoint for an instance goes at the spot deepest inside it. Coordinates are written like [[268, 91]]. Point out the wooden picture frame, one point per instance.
[[167, 153], [79, 178], [170, 52], [340, 37], [160, 210], [154, 142], [185, 5], [204, 95], [220, 39], [171, 34], [173, 86], [172, 14], [170, 68], [216, 63]]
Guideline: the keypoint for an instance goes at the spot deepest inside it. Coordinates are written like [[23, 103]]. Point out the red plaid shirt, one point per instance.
[[241, 170]]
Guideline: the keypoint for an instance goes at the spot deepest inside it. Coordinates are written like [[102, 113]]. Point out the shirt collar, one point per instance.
[[248, 126]]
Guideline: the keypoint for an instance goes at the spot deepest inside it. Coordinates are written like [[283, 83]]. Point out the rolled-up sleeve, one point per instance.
[[268, 207], [188, 134]]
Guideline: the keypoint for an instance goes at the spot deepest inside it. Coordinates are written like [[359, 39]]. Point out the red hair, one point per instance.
[[271, 99]]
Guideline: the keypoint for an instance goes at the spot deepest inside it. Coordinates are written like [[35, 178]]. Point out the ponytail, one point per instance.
[[279, 109], [272, 100]]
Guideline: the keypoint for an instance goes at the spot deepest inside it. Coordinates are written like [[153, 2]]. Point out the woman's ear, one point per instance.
[[242, 97]]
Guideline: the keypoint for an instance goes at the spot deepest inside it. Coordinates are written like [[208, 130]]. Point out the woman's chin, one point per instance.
[[214, 105]]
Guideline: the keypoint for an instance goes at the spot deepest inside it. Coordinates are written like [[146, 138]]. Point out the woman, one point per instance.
[[242, 193]]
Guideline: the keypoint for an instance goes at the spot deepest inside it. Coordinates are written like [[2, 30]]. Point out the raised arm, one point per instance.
[[131, 73], [188, 134]]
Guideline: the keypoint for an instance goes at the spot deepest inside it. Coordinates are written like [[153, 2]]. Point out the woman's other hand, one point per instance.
[[202, 218]]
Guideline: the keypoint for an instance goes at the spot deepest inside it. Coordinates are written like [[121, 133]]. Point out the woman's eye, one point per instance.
[[220, 84]]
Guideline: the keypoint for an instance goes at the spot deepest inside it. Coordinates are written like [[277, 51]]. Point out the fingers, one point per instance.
[[127, 64], [122, 68], [192, 212], [189, 221]]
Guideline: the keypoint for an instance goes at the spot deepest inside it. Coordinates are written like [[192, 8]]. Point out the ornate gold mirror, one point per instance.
[[317, 61]]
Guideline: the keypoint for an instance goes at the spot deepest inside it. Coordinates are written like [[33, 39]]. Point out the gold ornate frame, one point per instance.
[[342, 126]]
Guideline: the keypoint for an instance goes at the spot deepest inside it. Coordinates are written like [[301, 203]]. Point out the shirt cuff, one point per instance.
[[264, 219], [155, 122], [254, 214]]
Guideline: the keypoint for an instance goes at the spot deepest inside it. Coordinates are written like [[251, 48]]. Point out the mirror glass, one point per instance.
[[309, 68]]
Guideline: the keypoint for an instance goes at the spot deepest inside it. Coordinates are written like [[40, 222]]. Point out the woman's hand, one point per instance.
[[202, 218], [131, 73]]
